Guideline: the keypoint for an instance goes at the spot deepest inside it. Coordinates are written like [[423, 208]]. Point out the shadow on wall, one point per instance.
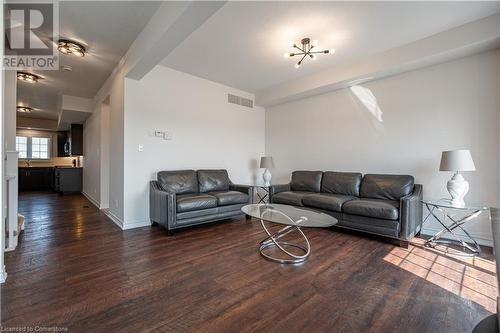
[[367, 100]]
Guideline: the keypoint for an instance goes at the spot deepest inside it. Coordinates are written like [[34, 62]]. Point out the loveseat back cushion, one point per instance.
[[178, 181], [346, 183], [213, 180], [309, 181], [388, 187]]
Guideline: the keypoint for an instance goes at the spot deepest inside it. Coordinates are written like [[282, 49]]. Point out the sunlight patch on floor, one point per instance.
[[472, 278]]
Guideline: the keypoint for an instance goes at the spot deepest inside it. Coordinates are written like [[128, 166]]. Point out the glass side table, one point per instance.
[[450, 223], [263, 196]]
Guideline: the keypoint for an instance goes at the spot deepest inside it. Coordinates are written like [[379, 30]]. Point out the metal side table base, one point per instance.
[[450, 224], [272, 241]]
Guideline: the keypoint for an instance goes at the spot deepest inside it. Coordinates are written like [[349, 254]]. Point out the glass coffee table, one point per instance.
[[293, 218]]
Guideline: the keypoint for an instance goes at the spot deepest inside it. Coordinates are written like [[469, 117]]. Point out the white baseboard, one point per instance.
[[92, 200], [3, 275], [113, 218], [481, 238], [136, 224]]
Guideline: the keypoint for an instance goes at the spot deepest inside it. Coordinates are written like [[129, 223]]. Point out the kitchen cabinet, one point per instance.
[[70, 143], [76, 139], [63, 144], [35, 178], [67, 179]]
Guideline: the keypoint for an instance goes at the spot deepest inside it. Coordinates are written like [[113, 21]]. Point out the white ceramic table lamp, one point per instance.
[[456, 161], [267, 163]]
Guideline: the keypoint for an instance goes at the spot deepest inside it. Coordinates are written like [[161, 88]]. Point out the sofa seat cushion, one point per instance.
[[380, 209], [225, 198], [293, 198], [195, 201], [325, 201]]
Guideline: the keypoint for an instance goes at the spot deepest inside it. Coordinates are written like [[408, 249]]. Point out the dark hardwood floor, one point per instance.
[[74, 268]]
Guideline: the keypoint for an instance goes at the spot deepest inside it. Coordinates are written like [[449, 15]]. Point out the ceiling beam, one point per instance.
[[170, 25], [452, 44]]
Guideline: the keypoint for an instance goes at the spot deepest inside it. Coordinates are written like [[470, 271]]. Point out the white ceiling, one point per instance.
[[107, 28], [242, 45]]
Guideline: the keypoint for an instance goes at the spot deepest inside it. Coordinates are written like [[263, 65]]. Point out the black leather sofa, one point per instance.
[[178, 199], [386, 205]]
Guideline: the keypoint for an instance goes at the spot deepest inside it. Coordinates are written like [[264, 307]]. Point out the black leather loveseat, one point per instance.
[[183, 198], [386, 205]]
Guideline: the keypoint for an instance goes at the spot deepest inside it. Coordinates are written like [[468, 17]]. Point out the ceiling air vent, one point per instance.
[[240, 100]]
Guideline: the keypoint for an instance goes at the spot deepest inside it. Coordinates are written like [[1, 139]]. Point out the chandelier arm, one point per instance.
[[317, 52], [305, 55], [298, 54], [295, 46]]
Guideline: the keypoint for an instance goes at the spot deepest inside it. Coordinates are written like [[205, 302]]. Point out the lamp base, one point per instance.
[[458, 188], [267, 177]]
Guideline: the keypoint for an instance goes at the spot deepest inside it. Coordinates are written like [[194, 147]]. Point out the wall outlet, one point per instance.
[[140, 147]]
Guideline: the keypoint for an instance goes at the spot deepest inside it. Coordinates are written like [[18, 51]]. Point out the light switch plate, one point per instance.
[[140, 147], [167, 135], [159, 133]]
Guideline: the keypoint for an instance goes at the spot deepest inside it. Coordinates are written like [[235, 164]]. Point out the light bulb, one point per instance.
[[286, 55], [297, 65], [331, 51], [313, 57], [314, 43]]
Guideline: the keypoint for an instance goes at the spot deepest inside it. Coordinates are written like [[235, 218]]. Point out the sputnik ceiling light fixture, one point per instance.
[[28, 77], [23, 109], [306, 50]]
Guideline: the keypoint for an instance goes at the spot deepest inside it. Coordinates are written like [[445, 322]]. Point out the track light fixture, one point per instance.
[[69, 47], [28, 77], [306, 50]]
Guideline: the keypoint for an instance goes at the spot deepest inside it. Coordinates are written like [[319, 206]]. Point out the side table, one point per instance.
[[451, 223]]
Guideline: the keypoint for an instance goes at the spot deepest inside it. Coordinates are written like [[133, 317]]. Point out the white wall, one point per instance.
[[448, 106], [92, 154], [207, 131]]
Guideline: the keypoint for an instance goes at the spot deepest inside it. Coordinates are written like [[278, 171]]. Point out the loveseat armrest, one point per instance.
[[275, 189], [162, 205], [411, 213], [243, 189]]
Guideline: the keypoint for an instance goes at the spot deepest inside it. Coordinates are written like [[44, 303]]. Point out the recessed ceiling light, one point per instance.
[[24, 109], [69, 47], [28, 77]]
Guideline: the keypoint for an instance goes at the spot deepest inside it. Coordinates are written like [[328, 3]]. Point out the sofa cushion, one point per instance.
[[293, 198], [225, 198], [326, 201], [189, 202], [179, 181], [346, 183], [380, 209], [309, 181], [213, 180], [390, 187]]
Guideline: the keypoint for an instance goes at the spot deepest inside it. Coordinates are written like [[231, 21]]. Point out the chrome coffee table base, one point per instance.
[[273, 241]]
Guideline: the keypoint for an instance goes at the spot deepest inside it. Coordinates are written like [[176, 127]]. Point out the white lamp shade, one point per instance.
[[457, 160], [266, 162]]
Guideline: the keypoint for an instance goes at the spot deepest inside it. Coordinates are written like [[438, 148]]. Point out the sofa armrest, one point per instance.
[[411, 213], [162, 205], [243, 189], [275, 189]]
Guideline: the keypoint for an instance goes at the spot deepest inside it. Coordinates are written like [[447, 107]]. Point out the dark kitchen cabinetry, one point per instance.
[[67, 179], [76, 140], [62, 144], [35, 179], [70, 143]]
